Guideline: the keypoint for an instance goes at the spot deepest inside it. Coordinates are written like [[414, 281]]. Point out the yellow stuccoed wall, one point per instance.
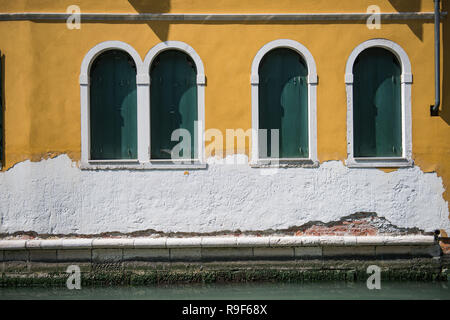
[[42, 63]]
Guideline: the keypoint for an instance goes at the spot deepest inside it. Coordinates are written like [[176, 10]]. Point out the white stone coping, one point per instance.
[[219, 242]]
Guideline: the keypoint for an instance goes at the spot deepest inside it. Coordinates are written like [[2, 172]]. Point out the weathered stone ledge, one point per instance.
[[219, 242], [217, 249]]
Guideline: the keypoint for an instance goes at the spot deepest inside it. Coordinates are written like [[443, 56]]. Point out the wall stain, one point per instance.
[[360, 224]]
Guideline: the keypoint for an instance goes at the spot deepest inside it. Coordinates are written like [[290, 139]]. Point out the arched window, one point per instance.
[[177, 105], [113, 107], [378, 81], [284, 99], [283, 103], [377, 120], [173, 103], [117, 129], [111, 84]]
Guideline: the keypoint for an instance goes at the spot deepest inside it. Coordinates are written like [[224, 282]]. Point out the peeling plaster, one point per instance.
[[54, 196]]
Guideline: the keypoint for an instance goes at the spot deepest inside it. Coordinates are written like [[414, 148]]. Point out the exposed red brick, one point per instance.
[[445, 245], [355, 228]]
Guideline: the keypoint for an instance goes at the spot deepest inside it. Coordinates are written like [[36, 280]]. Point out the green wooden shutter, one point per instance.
[[377, 114], [1, 110], [283, 102], [173, 102], [113, 107]]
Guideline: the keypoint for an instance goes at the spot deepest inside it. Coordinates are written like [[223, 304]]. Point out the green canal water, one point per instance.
[[239, 291]]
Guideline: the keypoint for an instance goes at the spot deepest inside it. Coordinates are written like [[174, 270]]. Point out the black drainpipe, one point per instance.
[[434, 110]]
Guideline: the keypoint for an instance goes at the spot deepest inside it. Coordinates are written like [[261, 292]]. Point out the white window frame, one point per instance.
[[406, 82], [143, 109], [201, 82], [312, 159]]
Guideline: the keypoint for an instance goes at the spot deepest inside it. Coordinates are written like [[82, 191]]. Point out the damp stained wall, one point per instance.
[[54, 197], [42, 100]]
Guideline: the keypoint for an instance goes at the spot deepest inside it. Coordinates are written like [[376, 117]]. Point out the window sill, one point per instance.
[[136, 165], [379, 163], [285, 163]]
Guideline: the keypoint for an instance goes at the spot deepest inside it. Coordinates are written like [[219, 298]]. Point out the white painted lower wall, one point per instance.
[[55, 197]]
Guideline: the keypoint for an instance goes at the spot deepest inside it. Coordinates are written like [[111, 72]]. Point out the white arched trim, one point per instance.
[[102, 47], [201, 82], [176, 45], [406, 81], [312, 102]]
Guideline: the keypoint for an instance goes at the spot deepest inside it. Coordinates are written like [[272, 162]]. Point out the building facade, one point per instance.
[[205, 117]]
